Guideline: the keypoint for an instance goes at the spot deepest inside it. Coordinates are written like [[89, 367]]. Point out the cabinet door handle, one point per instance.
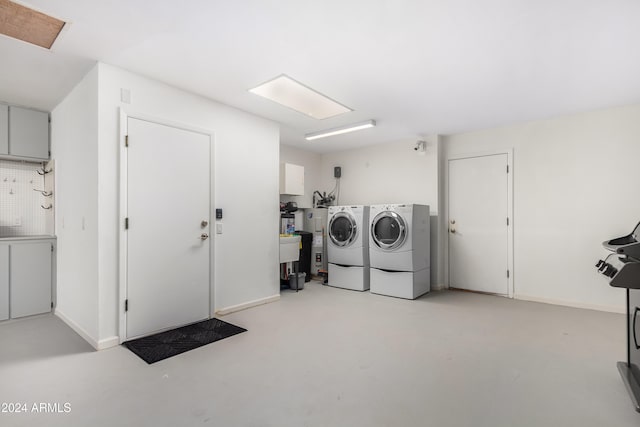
[[635, 338]]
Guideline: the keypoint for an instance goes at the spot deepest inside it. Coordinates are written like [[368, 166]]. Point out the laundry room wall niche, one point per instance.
[[26, 201], [390, 173]]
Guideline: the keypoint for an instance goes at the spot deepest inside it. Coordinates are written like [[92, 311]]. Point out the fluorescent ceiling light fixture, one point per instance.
[[31, 26], [340, 130], [292, 94]]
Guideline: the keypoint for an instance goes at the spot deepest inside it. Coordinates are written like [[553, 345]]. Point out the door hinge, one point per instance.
[[507, 274], [52, 247], [126, 223], [51, 304], [126, 305], [507, 168], [507, 220], [126, 140]]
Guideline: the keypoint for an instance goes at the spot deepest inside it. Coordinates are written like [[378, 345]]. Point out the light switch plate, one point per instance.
[[125, 96], [218, 228]]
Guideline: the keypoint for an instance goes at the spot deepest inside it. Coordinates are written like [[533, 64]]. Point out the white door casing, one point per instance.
[[480, 223], [166, 198]]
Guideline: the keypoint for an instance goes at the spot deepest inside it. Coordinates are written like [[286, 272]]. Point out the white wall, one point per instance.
[[245, 179], [389, 173], [385, 173], [311, 163], [74, 146], [575, 185]]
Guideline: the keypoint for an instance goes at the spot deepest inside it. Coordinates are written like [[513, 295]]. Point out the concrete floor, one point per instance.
[[331, 357]]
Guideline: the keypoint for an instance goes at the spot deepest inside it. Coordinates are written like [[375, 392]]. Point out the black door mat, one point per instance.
[[163, 345]]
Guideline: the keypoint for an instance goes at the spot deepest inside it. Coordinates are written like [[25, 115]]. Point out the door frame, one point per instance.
[[125, 115], [469, 155]]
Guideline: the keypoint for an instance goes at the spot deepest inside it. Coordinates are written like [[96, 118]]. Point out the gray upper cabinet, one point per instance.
[[28, 133], [30, 278], [4, 282], [4, 129]]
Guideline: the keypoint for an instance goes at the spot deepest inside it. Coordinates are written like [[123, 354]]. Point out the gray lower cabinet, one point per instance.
[[25, 278], [4, 282], [30, 278]]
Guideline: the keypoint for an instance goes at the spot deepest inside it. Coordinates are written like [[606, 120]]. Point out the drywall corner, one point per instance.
[[74, 146]]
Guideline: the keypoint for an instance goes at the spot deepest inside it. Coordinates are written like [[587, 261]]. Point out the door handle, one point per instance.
[[204, 236], [204, 223], [635, 317]]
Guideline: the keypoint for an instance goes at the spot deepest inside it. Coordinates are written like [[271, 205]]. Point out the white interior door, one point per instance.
[[168, 262], [478, 224]]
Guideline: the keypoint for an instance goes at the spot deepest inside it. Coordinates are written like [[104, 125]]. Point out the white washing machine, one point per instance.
[[399, 250], [348, 247]]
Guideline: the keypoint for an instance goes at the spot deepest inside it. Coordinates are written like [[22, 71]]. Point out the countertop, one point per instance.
[[20, 238]]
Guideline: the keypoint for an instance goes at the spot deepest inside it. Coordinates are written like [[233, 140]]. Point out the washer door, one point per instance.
[[388, 230], [342, 229]]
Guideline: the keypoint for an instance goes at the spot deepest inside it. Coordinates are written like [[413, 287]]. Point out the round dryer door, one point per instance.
[[388, 230], [342, 229]]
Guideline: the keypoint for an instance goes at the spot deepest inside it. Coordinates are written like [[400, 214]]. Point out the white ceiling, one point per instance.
[[417, 67]]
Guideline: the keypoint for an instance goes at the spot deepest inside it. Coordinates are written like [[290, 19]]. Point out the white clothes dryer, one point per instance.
[[348, 247], [399, 237], [399, 250]]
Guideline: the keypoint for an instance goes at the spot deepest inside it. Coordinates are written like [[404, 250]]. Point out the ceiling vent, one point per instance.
[[31, 26]]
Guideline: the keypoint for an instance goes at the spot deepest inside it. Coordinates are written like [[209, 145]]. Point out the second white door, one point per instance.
[[168, 253], [478, 224]]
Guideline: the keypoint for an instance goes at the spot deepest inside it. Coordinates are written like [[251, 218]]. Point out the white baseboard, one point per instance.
[[244, 306], [597, 307], [108, 342], [98, 345], [73, 325]]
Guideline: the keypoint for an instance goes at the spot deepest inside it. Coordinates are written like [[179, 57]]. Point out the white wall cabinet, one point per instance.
[[291, 179], [26, 269], [24, 133]]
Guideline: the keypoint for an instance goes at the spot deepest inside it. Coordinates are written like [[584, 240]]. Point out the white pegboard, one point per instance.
[[21, 207]]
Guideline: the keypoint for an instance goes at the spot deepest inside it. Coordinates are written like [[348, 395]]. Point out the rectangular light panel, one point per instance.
[[28, 25], [292, 94], [340, 130]]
